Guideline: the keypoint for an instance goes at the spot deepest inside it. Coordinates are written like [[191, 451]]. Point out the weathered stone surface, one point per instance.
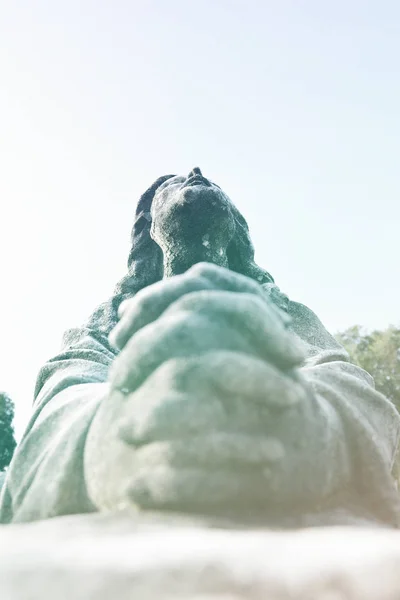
[[215, 394], [104, 557]]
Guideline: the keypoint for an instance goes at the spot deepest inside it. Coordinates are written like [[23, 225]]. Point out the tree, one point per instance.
[[7, 440], [379, 354]]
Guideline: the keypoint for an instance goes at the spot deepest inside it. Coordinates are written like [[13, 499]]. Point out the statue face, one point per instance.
[[192, 221], [181, 221]]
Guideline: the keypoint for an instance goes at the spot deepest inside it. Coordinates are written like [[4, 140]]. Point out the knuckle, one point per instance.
[[142, 301], [255, 301], [253, 287], [202, 269], [176, 372], [125, 306], [190, 301]]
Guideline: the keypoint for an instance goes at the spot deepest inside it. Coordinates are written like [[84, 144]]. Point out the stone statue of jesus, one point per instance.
[[200, 388]]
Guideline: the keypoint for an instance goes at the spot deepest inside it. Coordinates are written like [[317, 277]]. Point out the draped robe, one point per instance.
[[356, 466]]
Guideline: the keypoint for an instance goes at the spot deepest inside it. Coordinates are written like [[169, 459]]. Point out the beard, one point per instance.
[[193, 224]]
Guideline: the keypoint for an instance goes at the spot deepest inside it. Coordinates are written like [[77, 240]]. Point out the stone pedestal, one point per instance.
[[124, 557]]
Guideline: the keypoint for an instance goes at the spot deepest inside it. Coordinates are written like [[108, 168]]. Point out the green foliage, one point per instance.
[[379, 354], [7, 440]]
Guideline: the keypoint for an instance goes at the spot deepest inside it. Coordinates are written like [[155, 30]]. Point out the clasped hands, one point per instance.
[[205, 399]]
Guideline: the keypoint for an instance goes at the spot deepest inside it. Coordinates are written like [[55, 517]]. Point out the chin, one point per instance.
[[199, 192]]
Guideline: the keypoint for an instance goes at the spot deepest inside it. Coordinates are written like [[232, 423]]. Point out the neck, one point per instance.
[[178, 262]]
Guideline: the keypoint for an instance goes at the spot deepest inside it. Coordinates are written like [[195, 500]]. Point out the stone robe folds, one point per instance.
[[356, 467]]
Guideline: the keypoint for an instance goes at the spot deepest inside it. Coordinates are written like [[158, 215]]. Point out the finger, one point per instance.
[[150, 303], [280, 299], [181, 334], [202, 322], [219, 391], [225, 449], [257, 319], [215, 491], [217, 277], [233, 375], [225, 279], [148, 417], [231, 281]]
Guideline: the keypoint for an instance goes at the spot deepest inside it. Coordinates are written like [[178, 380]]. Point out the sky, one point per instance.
[[292, 107]]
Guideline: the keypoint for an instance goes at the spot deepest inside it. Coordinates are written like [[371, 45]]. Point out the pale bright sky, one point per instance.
[[291, 106]]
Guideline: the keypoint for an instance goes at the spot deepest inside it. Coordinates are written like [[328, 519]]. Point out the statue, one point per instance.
[[200, 388]]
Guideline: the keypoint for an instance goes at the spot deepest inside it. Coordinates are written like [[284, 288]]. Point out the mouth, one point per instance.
[[196, 180]]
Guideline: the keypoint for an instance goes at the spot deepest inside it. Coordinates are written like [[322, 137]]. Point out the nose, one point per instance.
[[196, 177], [195, 171]]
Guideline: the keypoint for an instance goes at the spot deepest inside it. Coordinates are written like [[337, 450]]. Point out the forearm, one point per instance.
[[46, 476], [346, 434], [362, 464], [341, 446]]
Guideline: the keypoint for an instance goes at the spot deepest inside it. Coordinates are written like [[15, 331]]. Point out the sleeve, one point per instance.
[[350, 431], [46, 476]]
